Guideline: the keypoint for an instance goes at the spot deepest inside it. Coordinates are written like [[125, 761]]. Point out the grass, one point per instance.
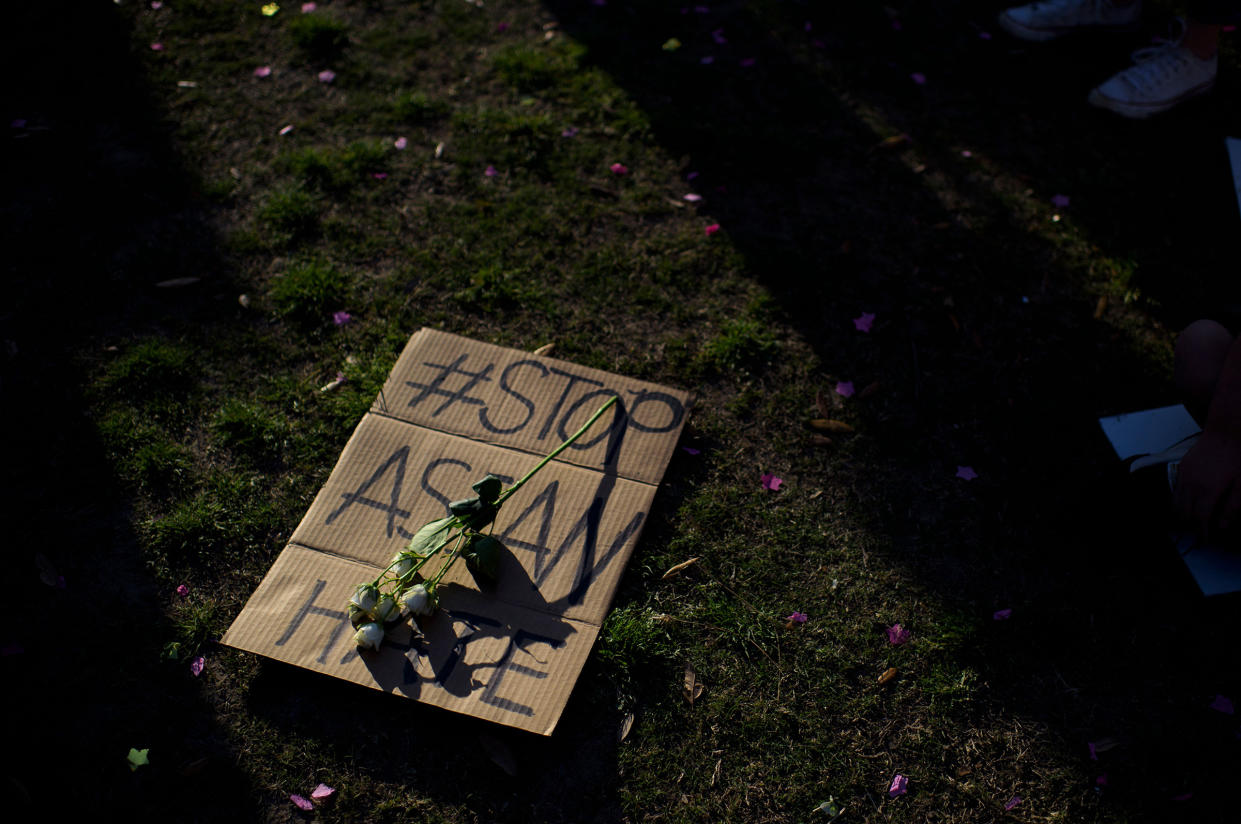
[[167, 435]]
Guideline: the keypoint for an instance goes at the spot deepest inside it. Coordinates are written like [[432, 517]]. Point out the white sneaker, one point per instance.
[[1161, 77], [1046, 21]]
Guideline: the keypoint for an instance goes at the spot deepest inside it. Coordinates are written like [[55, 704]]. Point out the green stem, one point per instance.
[[579, 433]]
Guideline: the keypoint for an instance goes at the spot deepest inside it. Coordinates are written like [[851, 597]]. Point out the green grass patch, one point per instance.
[[309, 291]]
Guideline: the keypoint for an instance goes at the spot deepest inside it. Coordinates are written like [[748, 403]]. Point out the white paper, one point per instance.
[[1217, 571]]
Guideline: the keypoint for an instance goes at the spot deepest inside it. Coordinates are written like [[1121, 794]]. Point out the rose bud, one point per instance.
[[418, 601], [365, 597], [387, 609], [357, 615], [369, 636], [402, 563]]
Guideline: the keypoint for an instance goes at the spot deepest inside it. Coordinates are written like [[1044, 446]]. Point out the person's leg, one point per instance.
[[1199, 359]]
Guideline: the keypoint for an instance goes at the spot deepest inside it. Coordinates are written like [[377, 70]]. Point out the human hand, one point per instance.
[[1208, 488]]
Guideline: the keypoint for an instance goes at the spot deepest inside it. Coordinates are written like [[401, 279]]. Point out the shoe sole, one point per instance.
[[1138, 111], [1043, 35]]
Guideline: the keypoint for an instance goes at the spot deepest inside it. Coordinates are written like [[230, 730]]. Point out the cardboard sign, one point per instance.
[[452, 411]]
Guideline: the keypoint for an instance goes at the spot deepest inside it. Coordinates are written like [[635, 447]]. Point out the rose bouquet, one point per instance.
[[403, 589]]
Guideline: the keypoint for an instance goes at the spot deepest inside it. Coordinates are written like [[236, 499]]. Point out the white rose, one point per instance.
[[365, 597], [387, 609], [401, 564], [369, 636], [417, 601]]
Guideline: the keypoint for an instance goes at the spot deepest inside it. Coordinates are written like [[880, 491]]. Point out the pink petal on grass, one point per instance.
[[1183, 797], [307, 8], [285, 130], [1094, 754], [845, 389], [897, 635], [692, 198], [1012, 802], [619, 169], [798, 617], [899, 786], [341, 318], [263, 71], [718, 37], [691, 450], [326, 76], [691, 176], [501, 27], [863, 323], [772, 482], [707, 61], [570, 131], [712, 229], [301, 802], [490, 171], [747, 62], [379, 175], [919, 78], [400, 143], [966, 473], [1101, 780], [322, 793], [1002, 614], [966, 153], [1229, 27], [196, 666], [984, 35], [156, 5], [157, 47], [1060, 201], [1223, 704], [183, 590]]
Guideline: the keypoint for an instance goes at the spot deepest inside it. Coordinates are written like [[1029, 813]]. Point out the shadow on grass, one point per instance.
[[986, 340]]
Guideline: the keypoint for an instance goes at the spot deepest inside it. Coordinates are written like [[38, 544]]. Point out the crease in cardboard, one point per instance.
[[509, 652]]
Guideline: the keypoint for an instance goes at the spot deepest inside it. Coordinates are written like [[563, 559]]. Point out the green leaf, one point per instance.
[[428, 538], [138, 758], [488, 488], [465, 507], [482, 555]]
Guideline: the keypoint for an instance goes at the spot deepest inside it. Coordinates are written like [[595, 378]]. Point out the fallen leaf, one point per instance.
[[893, 141], [820, 440], [545, 349], [887, 675], [691, 687], [830, 807], [828, 425], [625, 727], [138, 758], [177, 283], [270, 9], [1100, 307], [675, 569], [671, 44], [301, 802], [499, 753]]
